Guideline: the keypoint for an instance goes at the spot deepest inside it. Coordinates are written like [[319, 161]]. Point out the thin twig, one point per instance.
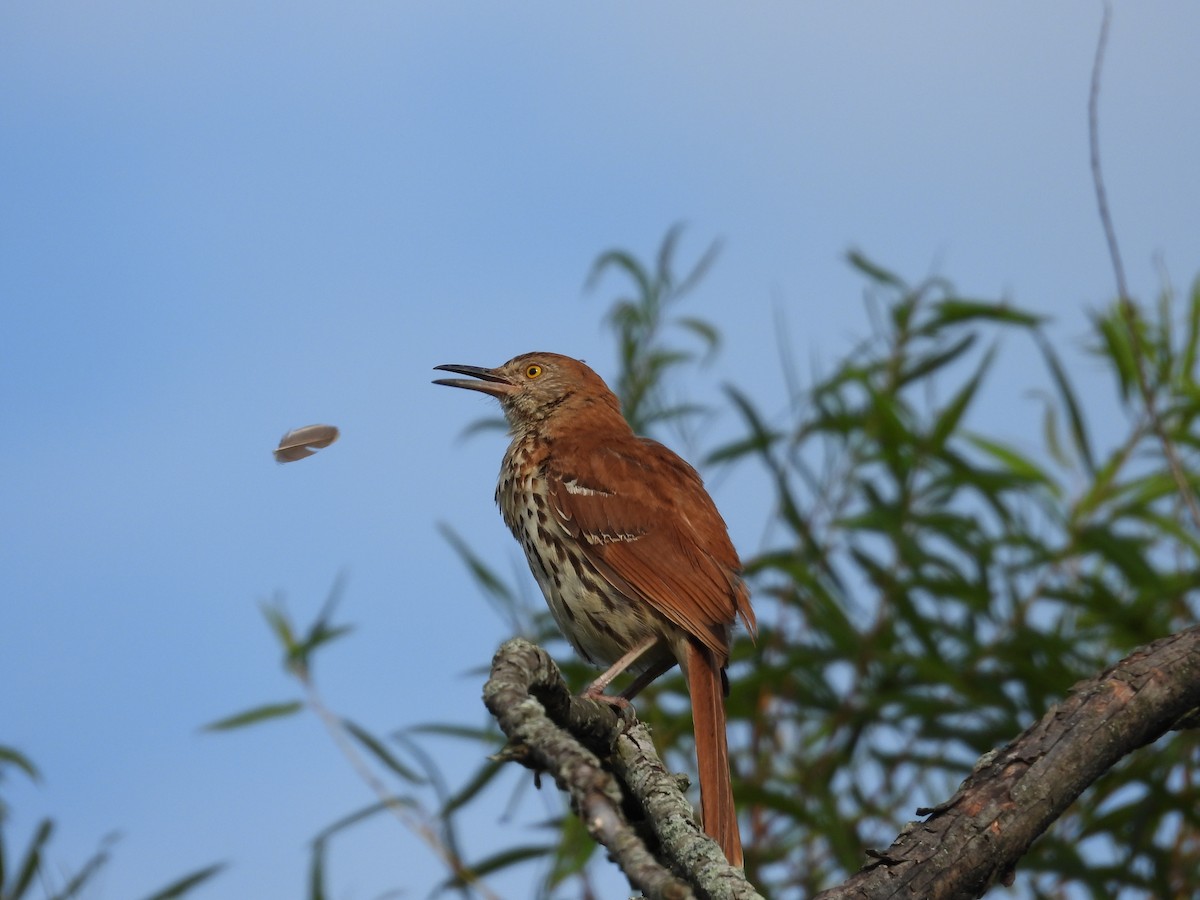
[[1110, 233], [1128, 310]]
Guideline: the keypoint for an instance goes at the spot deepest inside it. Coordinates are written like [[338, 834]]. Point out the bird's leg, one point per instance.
[[595, 690], [648, 676]]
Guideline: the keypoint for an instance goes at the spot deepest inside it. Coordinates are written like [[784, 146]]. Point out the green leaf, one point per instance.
[[1115, 343], [1079, 433], [316, 872], [318, 636], [376, 748], [706, 331], [575, 848], [32, 862], [481, 779], [1191, 344], [760, 439], [21, 761], [256, 715], [361, 815], [950, 416], [928, 364], [956, 311], [874, 272], [86, 873], [281, 625], [502, 597], [484, 425], [1015, 462], [185, 884], [625, 262], [502, 860], [321, 632], [488, 736], [1123, 551]]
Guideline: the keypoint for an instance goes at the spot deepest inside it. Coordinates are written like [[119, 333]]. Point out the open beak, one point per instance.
[[489, 382]]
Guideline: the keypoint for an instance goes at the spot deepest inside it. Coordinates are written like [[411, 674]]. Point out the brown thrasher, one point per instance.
[[633, 558]]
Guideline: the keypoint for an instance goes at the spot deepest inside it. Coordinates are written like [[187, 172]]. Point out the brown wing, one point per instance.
[[645, 521]]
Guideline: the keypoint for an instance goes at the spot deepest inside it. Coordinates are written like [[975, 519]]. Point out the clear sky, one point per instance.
[[219, 221]]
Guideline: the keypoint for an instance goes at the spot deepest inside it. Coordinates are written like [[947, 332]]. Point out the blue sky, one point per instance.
[[219, 222]]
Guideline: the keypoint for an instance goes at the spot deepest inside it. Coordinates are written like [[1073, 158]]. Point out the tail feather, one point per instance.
[[712, 751]]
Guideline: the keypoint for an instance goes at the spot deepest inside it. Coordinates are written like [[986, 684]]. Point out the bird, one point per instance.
[[634, 560]]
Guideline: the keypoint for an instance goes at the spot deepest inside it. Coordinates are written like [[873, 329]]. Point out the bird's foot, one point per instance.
[[595, 692]]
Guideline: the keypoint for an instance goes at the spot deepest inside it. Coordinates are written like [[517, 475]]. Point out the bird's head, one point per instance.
[[534, 387]]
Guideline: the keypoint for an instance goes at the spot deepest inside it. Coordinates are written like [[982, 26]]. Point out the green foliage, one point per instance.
[[638, 321], [934, 589], [933, 584]]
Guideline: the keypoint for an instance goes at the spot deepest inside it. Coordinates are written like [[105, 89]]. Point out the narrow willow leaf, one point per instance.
[[949, 418], [502, 597], [664, 265], [392, 802], [22, 762], [626, 262], [1124, 552], [872, 271], [574, 849], [760, 439], [1015, 462], [1191, 346], [376, 748], [256, 715], [699, 270], [32, 862], [86, 873], [185, 884], [1114, 333], [316, 872], [465, 732], [955, 310], [306, 441], [467, 792], [927, 365], [1066, 393], [490, 423], [1050, 436], [503, 860], [319, 635], [279, 622]]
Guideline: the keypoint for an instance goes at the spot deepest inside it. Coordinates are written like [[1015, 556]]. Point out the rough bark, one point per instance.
[[962, 847], [975, 838], [618, 786]]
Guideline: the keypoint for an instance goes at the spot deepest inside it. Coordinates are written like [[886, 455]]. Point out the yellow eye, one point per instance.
[[533, 371]]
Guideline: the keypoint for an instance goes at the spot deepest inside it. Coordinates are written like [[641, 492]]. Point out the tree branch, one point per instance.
[[977, 836], [618, 786], [631, 805]]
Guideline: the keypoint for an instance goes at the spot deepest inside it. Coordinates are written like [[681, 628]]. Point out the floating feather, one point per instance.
[[304, 442]]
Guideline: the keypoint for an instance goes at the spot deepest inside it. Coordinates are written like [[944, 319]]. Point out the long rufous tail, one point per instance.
[[712, 751]]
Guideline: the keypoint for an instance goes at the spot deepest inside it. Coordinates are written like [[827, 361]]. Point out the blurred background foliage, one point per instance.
[[928, 588]]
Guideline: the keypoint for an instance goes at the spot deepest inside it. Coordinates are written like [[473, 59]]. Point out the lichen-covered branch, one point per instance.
[[618, 786]]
